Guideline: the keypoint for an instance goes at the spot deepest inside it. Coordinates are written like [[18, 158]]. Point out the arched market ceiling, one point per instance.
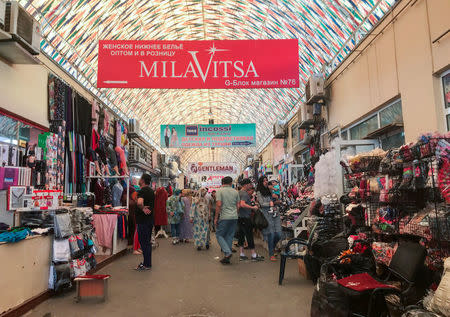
[[327, 31]]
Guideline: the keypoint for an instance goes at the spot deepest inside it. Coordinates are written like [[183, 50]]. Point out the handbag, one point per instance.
[[259, 221]]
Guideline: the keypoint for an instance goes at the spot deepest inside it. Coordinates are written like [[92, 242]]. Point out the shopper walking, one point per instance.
[[175, 211], [226, 217], [272, 234], [186, 230], [212, 207], [200, 218], [246, 206], [144, 220]]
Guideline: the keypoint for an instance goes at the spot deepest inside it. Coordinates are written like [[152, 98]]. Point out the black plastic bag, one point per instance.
[[329, 301], [329, 248], [312, 265], [418, 312], [259, 221]]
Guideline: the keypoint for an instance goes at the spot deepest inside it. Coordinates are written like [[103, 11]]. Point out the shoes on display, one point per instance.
[[273, 258], [257, 258], [141, 268]]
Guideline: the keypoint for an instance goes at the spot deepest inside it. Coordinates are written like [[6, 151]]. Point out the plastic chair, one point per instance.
[[287, 254], [405, 264]]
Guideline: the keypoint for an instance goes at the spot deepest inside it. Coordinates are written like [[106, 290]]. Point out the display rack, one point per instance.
[[126, 178], [411, 209]]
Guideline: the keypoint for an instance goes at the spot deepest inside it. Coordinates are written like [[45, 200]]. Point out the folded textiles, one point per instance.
[[41, 231], [14, 236]]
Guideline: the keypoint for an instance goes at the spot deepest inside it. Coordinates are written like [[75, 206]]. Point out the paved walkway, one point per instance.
[[185, 282]]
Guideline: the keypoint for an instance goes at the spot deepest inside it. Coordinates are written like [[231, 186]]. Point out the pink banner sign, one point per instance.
[[229, 64]]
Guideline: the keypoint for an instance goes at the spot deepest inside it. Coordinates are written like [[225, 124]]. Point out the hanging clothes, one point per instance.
[[122, 227], [104, 228], [161, 197]]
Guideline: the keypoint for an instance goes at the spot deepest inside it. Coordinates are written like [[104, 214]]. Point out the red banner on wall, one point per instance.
[[232, 64]]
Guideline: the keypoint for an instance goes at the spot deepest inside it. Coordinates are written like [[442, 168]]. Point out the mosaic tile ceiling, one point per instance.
[[327, 31]]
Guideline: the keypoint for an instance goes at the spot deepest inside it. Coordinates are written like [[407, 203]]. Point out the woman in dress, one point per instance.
[[186, 226], [200, 218], [272, 234], [175, 211], [174, 138]]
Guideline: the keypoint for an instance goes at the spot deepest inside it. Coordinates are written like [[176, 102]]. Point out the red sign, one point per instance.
[[231, 64]]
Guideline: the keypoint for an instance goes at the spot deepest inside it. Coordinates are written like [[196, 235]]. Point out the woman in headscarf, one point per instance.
[[186, 226], [175, 211], [272, 234], [200, 218]]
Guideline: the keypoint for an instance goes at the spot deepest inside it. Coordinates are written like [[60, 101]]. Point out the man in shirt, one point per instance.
[[227, 206], [144, 220], [167, 136], [246, 206]]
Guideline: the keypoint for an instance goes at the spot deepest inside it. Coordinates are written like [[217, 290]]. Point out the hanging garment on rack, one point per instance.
[[95, 139], [99, 191], [61, 250], [74, 248], [117, 191], [104, 228], [122, 159], [161, 197], [63, 226], [95, 115], [122, 227], [60, 276], [56, 98]]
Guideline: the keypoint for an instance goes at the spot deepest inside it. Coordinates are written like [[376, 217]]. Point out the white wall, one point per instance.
[[23, 91], [398, 59]]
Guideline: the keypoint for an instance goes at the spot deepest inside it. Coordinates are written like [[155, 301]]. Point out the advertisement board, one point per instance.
[[212, 168], [224, 64], [208, 135]]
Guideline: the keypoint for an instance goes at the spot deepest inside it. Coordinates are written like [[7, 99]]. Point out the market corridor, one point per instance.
[[185, 282]]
